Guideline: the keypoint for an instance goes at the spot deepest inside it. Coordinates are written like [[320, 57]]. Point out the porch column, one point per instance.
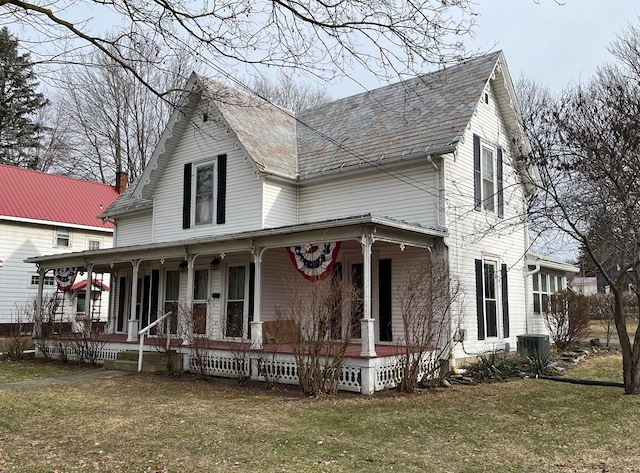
[[37, 322], [132, 334], [187, 334], [87, 300], [368, 327], [256, 323]]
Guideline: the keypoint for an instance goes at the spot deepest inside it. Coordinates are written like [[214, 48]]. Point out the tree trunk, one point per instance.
[[630, 352]]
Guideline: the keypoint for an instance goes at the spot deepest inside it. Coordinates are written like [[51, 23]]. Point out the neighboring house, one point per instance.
[[238, 190], [586, 286], [47, 214]]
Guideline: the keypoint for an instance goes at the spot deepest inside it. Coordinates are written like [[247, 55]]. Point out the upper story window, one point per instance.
[[204, 196], [93, 244], [63, 237], [204, 192], [488, 177]]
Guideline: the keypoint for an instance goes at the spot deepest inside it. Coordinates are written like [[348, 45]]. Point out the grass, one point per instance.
[[147, 423], [11, 371], [597, 330]]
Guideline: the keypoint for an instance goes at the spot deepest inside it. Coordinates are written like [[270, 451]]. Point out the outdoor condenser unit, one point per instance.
[[536, 345]]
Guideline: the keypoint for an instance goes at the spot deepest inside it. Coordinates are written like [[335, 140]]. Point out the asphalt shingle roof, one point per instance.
[[427, 113]]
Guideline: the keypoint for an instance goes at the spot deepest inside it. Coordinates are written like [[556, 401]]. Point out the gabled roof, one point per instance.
[[38, 197], [424, 115], [420, 116]]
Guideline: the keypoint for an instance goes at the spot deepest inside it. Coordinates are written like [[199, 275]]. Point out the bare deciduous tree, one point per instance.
[[384, 37], [586, 150], [286, 93], [112, 122]]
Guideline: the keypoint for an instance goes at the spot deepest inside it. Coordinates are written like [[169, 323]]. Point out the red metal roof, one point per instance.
[[81, 285], [34, 195]]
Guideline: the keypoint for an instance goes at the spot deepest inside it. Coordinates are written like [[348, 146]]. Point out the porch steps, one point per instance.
[[152, 362]]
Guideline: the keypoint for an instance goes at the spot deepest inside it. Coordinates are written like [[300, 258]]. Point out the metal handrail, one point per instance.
[[145, 331]]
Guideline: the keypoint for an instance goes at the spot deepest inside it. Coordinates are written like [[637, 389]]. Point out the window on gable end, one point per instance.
[[488, 179], [204, 192], [204, 196]]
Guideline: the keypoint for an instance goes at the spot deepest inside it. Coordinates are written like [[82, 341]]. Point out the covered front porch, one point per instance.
[[224, 297]]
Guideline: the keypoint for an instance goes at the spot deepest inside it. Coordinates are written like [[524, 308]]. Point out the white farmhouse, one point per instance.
[[242, 197], [47, 214]]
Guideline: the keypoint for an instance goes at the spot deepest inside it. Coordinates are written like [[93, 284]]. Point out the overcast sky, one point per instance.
[[553, 44]]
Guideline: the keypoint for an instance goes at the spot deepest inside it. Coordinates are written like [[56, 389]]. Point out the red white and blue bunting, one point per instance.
[[314, 262], [65, 278]]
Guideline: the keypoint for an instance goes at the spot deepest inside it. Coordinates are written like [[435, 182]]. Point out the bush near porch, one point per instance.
[[161, 424]]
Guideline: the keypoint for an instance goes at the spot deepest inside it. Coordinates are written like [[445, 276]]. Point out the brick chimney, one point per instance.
[[122, 181]]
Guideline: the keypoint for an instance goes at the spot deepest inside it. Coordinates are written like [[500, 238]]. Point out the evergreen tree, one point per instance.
[[19, 104]]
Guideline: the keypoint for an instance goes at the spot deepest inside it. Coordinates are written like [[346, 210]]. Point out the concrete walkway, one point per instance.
[[34, 383]]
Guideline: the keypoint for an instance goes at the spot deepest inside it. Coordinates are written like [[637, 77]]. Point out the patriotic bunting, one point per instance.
[[65, 278], [314, 262]]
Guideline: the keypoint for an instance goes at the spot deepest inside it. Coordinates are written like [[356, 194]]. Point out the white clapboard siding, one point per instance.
[[23, 240], [136, 229], [280, 203], [478, 234], [408, 194], [244, 191]]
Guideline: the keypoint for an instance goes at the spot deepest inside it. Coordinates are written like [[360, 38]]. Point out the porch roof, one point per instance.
[[347, 228]]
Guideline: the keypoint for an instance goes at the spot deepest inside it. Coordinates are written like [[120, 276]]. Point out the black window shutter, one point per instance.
[[222, 189], [122, 297], [155, 287], [384, 300], [477, 174], [186, 197], [480, 299], [505, 302], [500, 184], [252, 295]]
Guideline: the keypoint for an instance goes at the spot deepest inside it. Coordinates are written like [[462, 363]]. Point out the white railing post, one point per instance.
[[145, 331]]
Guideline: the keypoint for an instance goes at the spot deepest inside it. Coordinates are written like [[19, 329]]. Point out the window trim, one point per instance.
[[62, 233], [194, 197], [99, 241], [34, 280], [481, 199], [538, 295], [246, 301]]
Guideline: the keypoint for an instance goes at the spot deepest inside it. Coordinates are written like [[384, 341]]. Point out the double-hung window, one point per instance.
[[488, 186], [204, 192], [488, 179], [491, 287], [204, 197], [63, 237]]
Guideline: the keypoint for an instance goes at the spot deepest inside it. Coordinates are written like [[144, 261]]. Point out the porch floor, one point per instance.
[[354, 350]]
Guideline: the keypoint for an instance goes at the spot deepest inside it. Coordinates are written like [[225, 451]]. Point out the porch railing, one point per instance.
[[145, 331]]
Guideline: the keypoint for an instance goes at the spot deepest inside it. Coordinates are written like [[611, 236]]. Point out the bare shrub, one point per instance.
[[566, 315], [88, 343], [20, 331], [425, 298], [162, 334], [321, 317]]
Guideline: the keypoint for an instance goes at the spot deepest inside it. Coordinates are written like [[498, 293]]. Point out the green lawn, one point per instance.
[[11, 371], [147, 423]]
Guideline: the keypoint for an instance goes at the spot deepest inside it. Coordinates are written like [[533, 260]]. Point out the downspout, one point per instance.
[[440, 193], [528, 273]]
